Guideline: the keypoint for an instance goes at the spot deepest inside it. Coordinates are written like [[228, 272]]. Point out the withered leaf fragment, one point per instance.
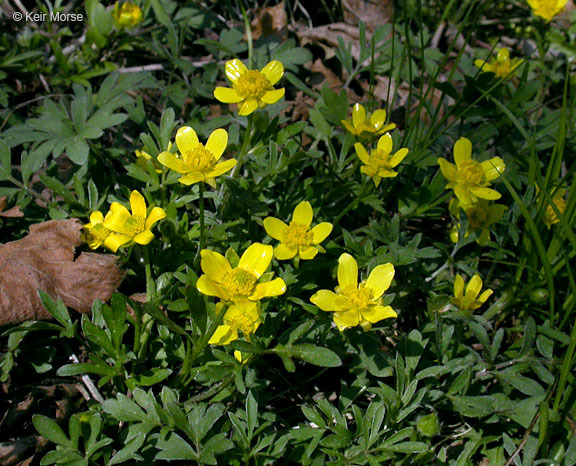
[[44, 260]]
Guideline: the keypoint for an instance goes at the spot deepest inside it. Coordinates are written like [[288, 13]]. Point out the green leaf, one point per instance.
[[85, 368], [151, 377], [77, 150], [57, 187], [473, 406], [50, 430], [97, 336], [408, 447], [5, 161], [58, 311], [316, 355], [125, 409], [175, 448]]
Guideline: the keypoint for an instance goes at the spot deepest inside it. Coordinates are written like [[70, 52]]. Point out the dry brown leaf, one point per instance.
[[12, 212], [44, 260], [372, 12], [270, 21]]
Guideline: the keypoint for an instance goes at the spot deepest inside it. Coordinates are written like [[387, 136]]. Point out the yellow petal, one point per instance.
[[186, 139], [358, 115], [474, 287], [214, 265], [234, 69], [347, 272], [138, 204], [307, 252], [156, 214], [458, 286], [116, 220], [168, 159], [210, 288], [448, 169], [217, 143], [326, 300], [221, 168], [191, 178], [223, 335], [273, 71], [271, 97], [247, 106], [349, 127], [362, 153], [493, 168], [503, 54], [385, 143], [379, 280], [113, 241], [378, 118], [480, 64], [256, 258], [463, 194], [144, 238], [485, 193], [96, 217], [275, 287], [227, 95], [346, 319], [485, 295], [303, 213], [398, 157], [462, 151], [320, 232], [275, 228], [284, 252], [375, 314]]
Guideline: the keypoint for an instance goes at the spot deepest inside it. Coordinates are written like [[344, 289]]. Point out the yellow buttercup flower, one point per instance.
[[469, 178], [356, 303], [143, 157], [469, 301], [128, 228], [297, 239], [251, 89], [244, 316], [96, 234], [379, 164], [197, 162], [364, 127], [240, 283], [481, 216], [550, 215], [126, 16], [501, 65], [547, 9]]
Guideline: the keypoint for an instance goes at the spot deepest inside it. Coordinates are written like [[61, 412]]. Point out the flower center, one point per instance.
[[237, 317], [99, 232], [477, 218], [199, 159], [358, 298], [134, 225], [297, 234], [471, 173], [252, 84], [381, 158], [239, 282]]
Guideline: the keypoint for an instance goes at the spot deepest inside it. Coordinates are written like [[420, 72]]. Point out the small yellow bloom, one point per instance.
[[251, 89], [297, 239], [196, 161], [364, 127], [501, 66], [469, 301], [550, 216], [379, 164], [244, 315], [95, 232], [469, 178], [240, 283], [143, 157], [547, 9], [132, 227], [481, 216], [126, 16], [353, 303]]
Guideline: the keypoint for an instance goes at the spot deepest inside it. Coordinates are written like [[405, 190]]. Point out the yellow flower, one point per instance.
[[244, 315], [362, 126], [143, 157], [481, 216], [297, 239], [357, 304], [126, 16], [251, 88], [547, 9], [469, 301], [501, 66], [240, 283], [550, 216], [196, 161], [96, 234], [469, 178], [129, 227], [379, 164]]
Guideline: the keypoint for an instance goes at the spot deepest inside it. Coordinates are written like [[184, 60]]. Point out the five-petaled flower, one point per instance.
[[363, 127], [469, 300], [251, 89], [380, 164], [481, 216], [547, 9], [356, 303], [96, 234], [469, 178], [297, 239], [197, 162], [501, 65], [128, 228], [240, 283], [244, 316], [126, 16]]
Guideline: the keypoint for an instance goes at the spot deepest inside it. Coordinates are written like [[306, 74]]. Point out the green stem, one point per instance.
[[244, 148], [150, 285], [248, 35], [202, 227]]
